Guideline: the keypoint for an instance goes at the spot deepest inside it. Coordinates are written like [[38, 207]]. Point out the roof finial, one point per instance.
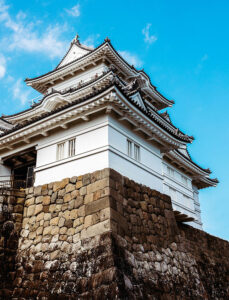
[[107, 39], [76, 39]]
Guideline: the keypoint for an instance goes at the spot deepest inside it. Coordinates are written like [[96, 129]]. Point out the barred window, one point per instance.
[[60, 151], [129, 148], [71, 147], [136, 152]]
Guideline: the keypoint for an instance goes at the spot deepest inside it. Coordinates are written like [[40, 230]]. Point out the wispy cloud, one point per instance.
[[91, 40], [19, 92], [2, 66], [132, 59], [25, 36], [149, 39], [74, 11], [200, 65]]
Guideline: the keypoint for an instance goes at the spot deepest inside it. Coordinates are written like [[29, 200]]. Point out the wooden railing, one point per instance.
[[10, 183]]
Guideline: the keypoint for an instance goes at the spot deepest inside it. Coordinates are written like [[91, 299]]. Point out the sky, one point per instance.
[[182, 45]]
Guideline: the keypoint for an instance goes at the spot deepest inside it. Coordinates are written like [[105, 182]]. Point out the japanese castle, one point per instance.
[[96, 112]]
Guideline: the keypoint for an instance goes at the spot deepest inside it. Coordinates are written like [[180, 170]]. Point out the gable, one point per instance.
[[138, 99], [75, 51], [184, 151]]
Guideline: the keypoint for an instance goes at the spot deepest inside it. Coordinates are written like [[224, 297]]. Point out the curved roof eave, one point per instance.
[[131, 68], [80, 100], [54, 91]]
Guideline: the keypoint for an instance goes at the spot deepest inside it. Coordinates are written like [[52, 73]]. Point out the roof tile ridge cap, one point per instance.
[[191, 160], [154, 87], [2, 118], [53, 92], [171, 124], [63, 107], [149, 113]]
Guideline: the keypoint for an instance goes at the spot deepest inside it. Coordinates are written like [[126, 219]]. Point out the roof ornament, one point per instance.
[[133, 85], [76, 39], [107, 39]]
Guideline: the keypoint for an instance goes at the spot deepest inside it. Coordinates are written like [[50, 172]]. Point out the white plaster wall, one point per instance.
[[5, 172], [102, 143], [75, 167], [185, 198], [91, 152], [148, 170]]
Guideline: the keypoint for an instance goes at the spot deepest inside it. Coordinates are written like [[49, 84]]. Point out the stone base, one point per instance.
[[103, 236]]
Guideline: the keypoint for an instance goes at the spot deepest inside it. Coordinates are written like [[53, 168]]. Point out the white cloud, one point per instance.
[[2, 66], [91, 40], [19, 92], [25, 36], [149, 39], [74, 11], [132, 59]]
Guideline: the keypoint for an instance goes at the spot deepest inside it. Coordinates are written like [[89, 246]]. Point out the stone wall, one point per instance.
[[11, 215], [103, 236]]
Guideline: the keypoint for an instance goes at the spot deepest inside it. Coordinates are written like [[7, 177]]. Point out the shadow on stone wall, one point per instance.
[[103, 236], [11, 215]]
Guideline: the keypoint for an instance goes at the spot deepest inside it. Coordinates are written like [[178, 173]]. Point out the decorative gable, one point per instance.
[[75, 51], [138, 99]]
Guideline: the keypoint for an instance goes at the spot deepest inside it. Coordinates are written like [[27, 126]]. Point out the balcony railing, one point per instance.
[[10, 183]]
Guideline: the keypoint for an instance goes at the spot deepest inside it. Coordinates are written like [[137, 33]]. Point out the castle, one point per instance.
[[97, 188], [97, 112]]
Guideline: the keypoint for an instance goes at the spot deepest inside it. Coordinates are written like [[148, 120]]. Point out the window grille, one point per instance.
[[129, 148], [136, 152], [71, 147], [60, 151]]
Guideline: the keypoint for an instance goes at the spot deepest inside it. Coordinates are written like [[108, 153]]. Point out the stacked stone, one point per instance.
[[103, 236], [11, 215], [62, 249], [152, 261]]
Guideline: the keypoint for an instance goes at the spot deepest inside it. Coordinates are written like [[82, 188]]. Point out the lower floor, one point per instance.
[[95, 145]]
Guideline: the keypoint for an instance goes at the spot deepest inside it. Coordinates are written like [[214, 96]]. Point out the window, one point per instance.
[[170, 171], [71, 147], [133, 150], [184, 180], [136, 152], [129, 148], [60, 151]]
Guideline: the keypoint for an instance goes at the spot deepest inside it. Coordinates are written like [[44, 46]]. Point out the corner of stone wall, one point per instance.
[[104, 236]]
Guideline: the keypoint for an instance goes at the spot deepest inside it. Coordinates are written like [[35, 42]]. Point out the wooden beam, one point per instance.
[[27, 140], [64, 126], [108, 109], [85, 118], [151, 137], [44, 133], [137, 128]]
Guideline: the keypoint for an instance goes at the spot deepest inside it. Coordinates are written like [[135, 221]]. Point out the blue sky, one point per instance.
[[182, 45]]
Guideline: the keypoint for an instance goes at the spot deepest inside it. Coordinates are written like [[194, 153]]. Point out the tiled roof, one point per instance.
[[178, 136]]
